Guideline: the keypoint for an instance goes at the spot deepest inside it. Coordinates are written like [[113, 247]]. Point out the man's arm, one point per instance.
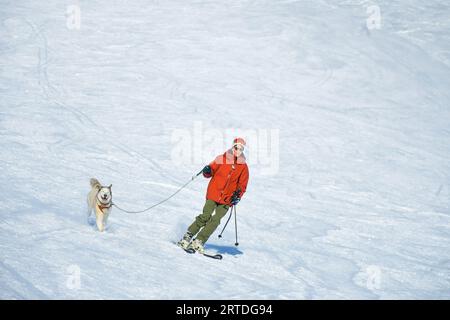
[[211, 169], [243, 181]]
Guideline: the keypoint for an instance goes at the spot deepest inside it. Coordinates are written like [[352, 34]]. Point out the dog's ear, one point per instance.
[[110, 186]]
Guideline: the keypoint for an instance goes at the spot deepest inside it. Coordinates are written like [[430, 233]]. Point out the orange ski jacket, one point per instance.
[[228, 173]]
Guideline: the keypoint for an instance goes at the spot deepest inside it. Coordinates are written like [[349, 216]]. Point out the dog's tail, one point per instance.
[[94, 183]]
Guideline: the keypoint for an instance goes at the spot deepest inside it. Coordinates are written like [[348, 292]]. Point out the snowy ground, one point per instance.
[[359, 205]]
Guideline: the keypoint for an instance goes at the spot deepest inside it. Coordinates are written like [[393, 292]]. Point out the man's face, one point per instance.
[[237, 150]]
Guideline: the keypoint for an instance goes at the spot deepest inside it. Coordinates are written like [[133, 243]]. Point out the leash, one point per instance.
[[157, 204]]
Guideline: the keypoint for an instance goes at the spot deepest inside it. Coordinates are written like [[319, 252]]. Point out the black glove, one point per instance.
[[235, 200], [207, 170], [235, 197]]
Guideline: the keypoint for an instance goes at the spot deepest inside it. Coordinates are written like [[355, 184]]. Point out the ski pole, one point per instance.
[[235, 225], [231, 213]]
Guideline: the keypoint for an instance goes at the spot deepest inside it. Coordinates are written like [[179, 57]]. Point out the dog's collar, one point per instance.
[[102, 206]]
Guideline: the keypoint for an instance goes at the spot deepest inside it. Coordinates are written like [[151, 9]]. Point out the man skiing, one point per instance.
[[229, 177]]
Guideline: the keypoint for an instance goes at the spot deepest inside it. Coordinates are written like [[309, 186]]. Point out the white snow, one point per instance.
[[359, 208]]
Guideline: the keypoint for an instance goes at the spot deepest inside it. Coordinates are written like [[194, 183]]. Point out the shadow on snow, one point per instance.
[[231, 250]]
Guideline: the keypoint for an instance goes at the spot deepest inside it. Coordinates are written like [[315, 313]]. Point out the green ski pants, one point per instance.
[[207, 220]]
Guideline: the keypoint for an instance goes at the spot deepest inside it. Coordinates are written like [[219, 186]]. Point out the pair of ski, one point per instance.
[[212, 256]]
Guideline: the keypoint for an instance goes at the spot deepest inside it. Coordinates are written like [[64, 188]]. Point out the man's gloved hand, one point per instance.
[[207, 171], [235, 198]]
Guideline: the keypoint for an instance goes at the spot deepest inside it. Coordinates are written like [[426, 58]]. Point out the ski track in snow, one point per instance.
[[359, 208]]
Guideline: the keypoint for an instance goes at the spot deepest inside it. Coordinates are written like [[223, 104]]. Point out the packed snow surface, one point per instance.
[[353, 202]]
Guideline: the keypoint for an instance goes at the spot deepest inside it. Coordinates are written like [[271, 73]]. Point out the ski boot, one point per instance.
[[197, 245], [184, 243]]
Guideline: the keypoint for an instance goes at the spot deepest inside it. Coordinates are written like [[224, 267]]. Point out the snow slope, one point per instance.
[[359, 207]]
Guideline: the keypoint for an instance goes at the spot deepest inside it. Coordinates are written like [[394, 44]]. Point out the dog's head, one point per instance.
[[105, 194]]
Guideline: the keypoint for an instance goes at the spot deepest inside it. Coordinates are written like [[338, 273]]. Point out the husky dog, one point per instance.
[[100, 200]]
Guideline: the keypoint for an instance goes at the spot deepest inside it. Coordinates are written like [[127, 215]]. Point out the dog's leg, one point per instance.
[[89, 210], [105, 219], [99, 221]]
